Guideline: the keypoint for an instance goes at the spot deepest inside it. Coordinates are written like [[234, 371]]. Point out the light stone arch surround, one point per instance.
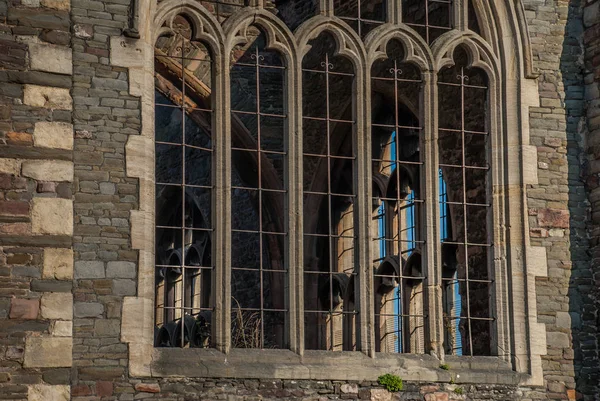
[[508, 56]]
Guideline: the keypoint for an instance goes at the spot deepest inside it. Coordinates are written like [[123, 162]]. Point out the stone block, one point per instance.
[[19, 138], [88, 309], [55, 135], [136, 325], [147, 387], [57, 4], [24, 308], [48, 352], [380, 394], [124, 287], [125, 52], [58, 263], [10, 166], [47, 97], [107, 327], [44, 392], [119, 269], [89, 269], [104, 388], [48, 170], [52, 216], [57, 305], [558, 340], [62, 328], [50, 58], [555, 218]]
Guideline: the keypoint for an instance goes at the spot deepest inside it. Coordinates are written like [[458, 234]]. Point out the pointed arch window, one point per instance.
[[183, 175], [467, 250], [329, 198], [328, 189], [397, 203], [258, 195]]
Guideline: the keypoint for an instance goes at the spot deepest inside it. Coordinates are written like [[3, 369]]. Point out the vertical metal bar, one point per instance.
[[183, 182], [464, 78], [260, 198], [427, 21], [329, 202]]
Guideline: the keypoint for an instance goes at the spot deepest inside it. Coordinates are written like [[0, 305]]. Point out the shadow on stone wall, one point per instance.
[[582, 310]]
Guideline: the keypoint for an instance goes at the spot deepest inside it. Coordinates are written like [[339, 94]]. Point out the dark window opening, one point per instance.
[[183, 190], [258, 204], [329, 198], [397, 204], [464, 171], [430, 18], [362, 15]]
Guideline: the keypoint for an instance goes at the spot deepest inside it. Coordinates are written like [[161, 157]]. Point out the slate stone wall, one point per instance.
[[66, 260], [559, 208]]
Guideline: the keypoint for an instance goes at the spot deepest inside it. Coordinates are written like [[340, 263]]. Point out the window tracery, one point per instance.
[[258, 195], [184, 149], [332, 76], [397, 203], [466, 247], [329, 197]]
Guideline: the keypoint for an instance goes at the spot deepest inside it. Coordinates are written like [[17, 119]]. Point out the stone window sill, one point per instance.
[[322, 365]]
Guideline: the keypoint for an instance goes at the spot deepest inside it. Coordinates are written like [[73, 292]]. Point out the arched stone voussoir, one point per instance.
[[417, 50], [348, 42], [205, 26], [481, 55], [279, 37]]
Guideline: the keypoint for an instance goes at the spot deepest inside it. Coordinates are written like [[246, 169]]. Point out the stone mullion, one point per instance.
[[431, 217], [362, 171], [326, 8], [498, 307], [222, 204], [394, 11], [460, 11], [295, 243]]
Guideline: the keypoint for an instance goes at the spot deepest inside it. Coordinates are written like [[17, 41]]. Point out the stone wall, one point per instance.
[[66, 255], [36, 208], [590, 372], [558, 206]]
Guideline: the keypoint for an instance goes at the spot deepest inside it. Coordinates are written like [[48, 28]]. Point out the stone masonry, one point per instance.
[[69, 194]]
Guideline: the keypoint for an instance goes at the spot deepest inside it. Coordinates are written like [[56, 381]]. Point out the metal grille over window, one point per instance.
[[183, 165], [258, 205], [397, 204], [329, 198], [430, 18], [362, 15], [465, 209]]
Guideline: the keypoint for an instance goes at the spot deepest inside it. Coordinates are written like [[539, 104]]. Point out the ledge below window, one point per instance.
[[322, 365]]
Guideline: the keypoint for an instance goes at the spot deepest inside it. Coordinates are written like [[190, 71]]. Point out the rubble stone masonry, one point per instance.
[[67, 257]]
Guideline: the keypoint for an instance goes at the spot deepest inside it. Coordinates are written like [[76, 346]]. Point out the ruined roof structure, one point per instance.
[[252, 200]]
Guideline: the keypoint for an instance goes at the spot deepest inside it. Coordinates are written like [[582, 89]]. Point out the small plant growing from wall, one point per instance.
[[391, 382], [445, 366], [459, 391]]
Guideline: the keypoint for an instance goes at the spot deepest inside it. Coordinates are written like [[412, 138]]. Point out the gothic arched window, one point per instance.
[[329, 197], [341, 187], [183, 174], [396, 142], [466, 247]]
